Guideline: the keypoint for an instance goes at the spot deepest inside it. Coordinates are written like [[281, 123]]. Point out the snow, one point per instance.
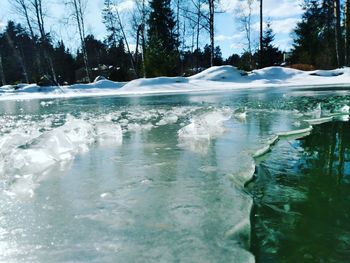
[[222, 73], [223, 78]]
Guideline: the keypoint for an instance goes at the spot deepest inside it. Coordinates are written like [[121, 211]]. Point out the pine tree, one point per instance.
[[314, 36], [271, 55], [162, 45], [110, 21]]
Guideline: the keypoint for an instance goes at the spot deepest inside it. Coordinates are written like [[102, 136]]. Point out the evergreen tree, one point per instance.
[[218, 60], [64, 64], [314, 36], [111, 23], [271, 55], [162, 46]]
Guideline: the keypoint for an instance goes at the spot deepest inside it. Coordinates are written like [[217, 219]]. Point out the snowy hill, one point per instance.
[[223, 78]]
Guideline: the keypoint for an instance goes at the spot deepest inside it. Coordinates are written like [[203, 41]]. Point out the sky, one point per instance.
[[283, 15]]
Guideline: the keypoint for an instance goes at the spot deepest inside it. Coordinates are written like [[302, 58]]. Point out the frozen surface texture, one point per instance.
[[141, 179]]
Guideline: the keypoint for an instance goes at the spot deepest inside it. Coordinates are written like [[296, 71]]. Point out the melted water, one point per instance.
[[151, 179], [302, 194]]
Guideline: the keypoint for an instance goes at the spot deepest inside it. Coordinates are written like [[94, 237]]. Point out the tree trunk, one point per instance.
[[338, 37], [211, 30], [197, 36], [37, 4], [347, 32], [127, 45], [143, 41], [261, 33], [78, 15]]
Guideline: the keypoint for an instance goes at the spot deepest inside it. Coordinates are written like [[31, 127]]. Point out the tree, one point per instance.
[[32, 11], [77, 8], [261, 32], [347, 32], [64, 64], [139, 17], [314, 36], [162, 45], [218, 60], [2, 74], [114, 24], [211, 29], [271, 55], [110, 21], [196, 14], [22, 8], [338, 34], [244, 14]]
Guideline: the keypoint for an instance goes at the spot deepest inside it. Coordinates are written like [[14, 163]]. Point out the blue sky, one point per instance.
[[283, 14]]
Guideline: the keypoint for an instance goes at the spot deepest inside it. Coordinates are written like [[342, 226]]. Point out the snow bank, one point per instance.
[[223, 78], [328, 73], [222, 73], [101, 84], [161, 81]]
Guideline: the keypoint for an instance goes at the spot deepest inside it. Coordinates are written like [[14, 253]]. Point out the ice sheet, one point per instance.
[[140, 181]]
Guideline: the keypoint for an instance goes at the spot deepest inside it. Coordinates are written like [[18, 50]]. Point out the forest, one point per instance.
[[166, 33]]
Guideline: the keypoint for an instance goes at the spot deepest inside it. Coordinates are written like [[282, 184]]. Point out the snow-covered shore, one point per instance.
[[223, 78]]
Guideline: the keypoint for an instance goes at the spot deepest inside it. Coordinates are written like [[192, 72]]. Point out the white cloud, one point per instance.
[[279, 26], [284, 25], [238, 46], [2, 25], [284, 44], [272, 8], [228, 5], [222, 38], [282, 8], [124, 6]]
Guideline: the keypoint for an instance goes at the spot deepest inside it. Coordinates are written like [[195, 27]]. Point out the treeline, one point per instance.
[[169, 38], [322, 37]]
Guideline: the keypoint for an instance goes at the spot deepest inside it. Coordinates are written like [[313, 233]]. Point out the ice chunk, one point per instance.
[[31, 161], [109, 133], [168, 119], [33, 157], [344, 109], [197, 135]]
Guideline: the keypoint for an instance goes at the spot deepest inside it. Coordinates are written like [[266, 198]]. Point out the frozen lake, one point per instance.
[[142, 179]]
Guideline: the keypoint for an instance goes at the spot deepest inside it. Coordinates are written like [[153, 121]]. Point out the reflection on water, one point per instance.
[[302, 194]]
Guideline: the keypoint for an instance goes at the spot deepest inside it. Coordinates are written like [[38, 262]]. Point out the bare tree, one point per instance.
[[32, 13], [244, 15], [139, 17], [38, 10], [211, 29], [78, 8], [111, 8], [197, 17], [261, 32], [22, 8]]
